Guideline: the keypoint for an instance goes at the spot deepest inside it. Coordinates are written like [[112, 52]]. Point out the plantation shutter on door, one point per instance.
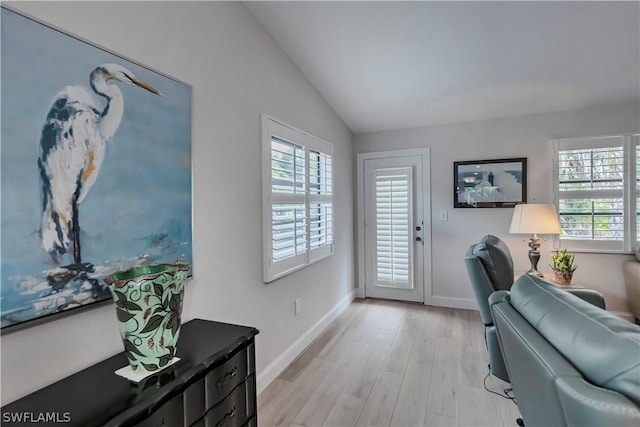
[[394, 209]]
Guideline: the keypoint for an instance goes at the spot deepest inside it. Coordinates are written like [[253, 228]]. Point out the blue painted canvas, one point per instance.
[[95, 166]]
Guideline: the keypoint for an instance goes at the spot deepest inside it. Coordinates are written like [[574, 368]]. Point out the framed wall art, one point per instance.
[[95, 170], [499, 183]]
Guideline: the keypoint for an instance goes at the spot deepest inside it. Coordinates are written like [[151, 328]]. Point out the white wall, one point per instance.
[[526, 136], [237, 73]]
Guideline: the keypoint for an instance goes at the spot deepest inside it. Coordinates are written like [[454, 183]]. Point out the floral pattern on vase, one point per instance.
[[563, 266], [563, 277], [148, 302]]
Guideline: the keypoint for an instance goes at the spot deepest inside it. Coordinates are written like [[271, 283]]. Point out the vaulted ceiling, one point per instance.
[[391, 65]]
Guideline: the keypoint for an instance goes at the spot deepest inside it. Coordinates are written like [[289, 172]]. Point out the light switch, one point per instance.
[[444, 215]]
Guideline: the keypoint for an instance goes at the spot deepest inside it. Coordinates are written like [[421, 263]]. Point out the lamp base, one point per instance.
[[535, 273], [534, 255]]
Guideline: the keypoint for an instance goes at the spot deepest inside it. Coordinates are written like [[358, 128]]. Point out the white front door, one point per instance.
[[394, 228]]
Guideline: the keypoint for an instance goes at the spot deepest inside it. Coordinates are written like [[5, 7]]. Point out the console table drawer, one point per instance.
[[194, 402], [224, 378], [171, 414], [231, 412]]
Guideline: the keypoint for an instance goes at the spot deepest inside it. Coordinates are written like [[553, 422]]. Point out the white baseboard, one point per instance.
[[275, 368], [453, 302], [449, 302]]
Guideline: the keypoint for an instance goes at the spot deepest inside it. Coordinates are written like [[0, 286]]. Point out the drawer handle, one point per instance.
[[223, 381], [223, 422]]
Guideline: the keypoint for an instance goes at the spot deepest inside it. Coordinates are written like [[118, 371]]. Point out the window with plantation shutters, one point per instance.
[[596, 191], [297, 199]]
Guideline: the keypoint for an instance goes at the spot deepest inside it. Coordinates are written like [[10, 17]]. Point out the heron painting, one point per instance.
[[95, 169], [72, 148]]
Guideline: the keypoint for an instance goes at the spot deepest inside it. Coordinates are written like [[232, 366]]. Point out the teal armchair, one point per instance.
[[490, 268]]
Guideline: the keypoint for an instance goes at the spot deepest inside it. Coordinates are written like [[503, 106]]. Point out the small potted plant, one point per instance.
[[563, 266]]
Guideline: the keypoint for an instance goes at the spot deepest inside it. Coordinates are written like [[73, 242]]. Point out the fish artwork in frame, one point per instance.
[[95, 162]]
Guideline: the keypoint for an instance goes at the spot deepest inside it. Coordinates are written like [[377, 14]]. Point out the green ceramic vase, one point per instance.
[[148, 304]]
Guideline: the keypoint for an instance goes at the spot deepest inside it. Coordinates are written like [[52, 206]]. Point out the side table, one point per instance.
[[550, 278], [591, 296]]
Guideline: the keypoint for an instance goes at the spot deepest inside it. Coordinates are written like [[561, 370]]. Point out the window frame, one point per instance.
[[311, 199], [629, 193]]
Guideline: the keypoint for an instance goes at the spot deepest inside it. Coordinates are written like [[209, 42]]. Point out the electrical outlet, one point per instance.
[[297, 304]]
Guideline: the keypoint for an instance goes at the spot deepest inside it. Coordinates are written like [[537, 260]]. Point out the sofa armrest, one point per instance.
[[590, 296], [498, 296], [587, 405]]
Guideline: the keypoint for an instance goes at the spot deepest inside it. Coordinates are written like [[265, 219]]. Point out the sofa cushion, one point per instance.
[[603, 347], [496, 258]]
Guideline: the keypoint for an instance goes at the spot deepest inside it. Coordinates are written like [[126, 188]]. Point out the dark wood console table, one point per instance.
[[213, 385]]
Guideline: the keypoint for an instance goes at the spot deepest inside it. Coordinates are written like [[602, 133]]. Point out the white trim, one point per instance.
[[426, 209], [266, 195], [591, 142], [275, 368], [632, 141], [454, 302]]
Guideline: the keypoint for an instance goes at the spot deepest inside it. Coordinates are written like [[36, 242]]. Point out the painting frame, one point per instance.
[[147, 165], [491, 183]]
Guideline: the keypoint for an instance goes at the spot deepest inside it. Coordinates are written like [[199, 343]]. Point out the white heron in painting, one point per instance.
[[72, 148]]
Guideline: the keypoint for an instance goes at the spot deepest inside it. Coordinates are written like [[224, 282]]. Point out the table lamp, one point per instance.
[[534, 219]]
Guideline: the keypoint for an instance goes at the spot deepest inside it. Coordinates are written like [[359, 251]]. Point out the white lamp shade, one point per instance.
[[535, 218]]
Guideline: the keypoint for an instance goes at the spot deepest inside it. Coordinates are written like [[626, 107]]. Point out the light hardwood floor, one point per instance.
[[386, 363]]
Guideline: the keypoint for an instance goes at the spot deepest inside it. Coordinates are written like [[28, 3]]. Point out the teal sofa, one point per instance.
[[570, 363]]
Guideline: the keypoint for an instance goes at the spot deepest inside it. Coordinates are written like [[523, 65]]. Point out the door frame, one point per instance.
[[426, 214]]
